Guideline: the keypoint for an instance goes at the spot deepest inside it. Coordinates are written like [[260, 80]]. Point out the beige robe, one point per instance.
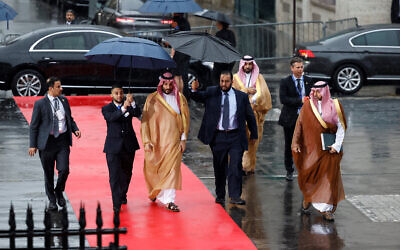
[[163, 127], [260, 108]]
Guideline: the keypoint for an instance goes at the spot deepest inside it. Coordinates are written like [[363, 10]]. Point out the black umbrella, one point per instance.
[[213, 15], [203, 46]]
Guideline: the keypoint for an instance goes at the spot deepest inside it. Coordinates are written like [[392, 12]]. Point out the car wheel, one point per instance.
[[348, 79], [28, 83]]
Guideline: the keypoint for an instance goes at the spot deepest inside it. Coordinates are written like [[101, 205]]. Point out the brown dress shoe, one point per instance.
[[328, 216]]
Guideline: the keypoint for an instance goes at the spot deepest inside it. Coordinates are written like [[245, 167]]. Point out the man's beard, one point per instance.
[[118, 102], [247, 71], [165, 92]]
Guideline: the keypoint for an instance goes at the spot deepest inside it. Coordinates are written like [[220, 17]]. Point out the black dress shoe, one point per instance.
[[60, 199], [289, 176], [52, 206], [237, 201], [220, 201]]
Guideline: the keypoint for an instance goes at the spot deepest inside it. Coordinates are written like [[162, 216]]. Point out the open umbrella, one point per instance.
[[213, 15], [203, 46], [170, 6], [131, 52], [6, 12]]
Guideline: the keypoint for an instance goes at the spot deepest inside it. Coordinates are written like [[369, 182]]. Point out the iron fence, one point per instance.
[[267, 41], [64, 232]]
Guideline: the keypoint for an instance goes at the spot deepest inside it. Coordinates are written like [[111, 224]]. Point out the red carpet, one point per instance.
[[201, 224]]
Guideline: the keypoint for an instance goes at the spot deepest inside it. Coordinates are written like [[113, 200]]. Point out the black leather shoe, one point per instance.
[[289, 176], [52, 206], [237, 201], [220, 201], [60, 199]]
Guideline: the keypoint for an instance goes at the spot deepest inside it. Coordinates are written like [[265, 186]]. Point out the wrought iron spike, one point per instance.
[[47, 218], [11, 219], [29, 218], [116, 218], [82, 217], [64, 218], [99, 219]]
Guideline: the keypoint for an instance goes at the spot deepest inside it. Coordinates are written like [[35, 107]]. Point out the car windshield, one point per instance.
[[131, 4]]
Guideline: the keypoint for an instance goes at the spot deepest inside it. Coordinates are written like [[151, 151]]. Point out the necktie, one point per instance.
[[225, 115], [119, 106], [299, 86], [56, 131]]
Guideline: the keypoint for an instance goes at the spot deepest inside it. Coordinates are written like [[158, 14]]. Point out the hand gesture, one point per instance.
[[148, 147], [182, 146], [332, 150], [252, 91], [78, 134], [296, 149], [32, 151]]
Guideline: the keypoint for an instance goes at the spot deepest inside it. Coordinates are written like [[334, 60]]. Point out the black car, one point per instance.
[[28, 60], [124, 15], [350, 58]]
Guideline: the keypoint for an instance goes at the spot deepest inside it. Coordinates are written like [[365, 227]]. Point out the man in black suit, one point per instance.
[[121, 143], [51, 131], [224, 128], [292, 92]]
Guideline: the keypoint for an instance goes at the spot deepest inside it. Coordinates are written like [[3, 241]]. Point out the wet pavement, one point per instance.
[[367, 219]]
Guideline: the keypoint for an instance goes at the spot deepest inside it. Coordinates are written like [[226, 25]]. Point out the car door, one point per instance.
[[380, 51], [61, 54]]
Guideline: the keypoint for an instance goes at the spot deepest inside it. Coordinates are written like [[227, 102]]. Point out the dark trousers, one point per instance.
[[227, 162], [56, 153], [120, 174], [288, 132]]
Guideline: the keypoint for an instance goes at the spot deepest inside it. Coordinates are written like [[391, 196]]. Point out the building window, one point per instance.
[[316, 17], [299, 12], [285, 7]]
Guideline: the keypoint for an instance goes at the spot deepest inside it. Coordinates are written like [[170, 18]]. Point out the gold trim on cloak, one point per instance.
[[258, 87], [172, 111], [317, 115], [339, 113]]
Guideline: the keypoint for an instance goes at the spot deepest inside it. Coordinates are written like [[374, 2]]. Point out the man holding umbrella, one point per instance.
[[121, 143]]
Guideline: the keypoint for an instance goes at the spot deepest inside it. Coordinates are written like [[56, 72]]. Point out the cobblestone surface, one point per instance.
[[378, 208]]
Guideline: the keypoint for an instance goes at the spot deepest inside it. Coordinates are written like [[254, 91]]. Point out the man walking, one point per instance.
[[224, 128], [121, 143], [51, 131], [319, 178], [292, 93], [165, 127], [250, 81]]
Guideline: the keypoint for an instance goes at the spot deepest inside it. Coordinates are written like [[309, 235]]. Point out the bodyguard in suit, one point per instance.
[[292, 93], [224, 128], [121, 143], [51, 131]]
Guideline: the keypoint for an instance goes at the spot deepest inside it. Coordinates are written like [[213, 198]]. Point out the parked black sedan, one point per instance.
[[350, 58], [28, 60]]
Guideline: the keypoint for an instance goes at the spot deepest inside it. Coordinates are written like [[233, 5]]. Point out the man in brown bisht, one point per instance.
[[319, 174], [250, 81], [164, 129]]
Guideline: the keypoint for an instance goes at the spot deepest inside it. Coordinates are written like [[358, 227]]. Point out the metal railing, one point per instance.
[[64, 232], [267, 41]]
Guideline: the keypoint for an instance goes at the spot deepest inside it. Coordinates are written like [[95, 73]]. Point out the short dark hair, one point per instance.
[[227, 72], [70, 11], [116, 86], [51, 80], [296, 59]]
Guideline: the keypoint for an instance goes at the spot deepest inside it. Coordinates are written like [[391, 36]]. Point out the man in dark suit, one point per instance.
[[51, 131], [292, 92], [224, 128], [121, 143]]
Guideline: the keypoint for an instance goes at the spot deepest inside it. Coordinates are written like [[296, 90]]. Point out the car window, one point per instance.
[[65, 41], [378, 38], [100, 37], [131, 4], [112, 4]]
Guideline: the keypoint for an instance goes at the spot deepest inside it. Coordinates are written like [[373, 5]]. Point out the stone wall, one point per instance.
[[367, 11], [228, 5]]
